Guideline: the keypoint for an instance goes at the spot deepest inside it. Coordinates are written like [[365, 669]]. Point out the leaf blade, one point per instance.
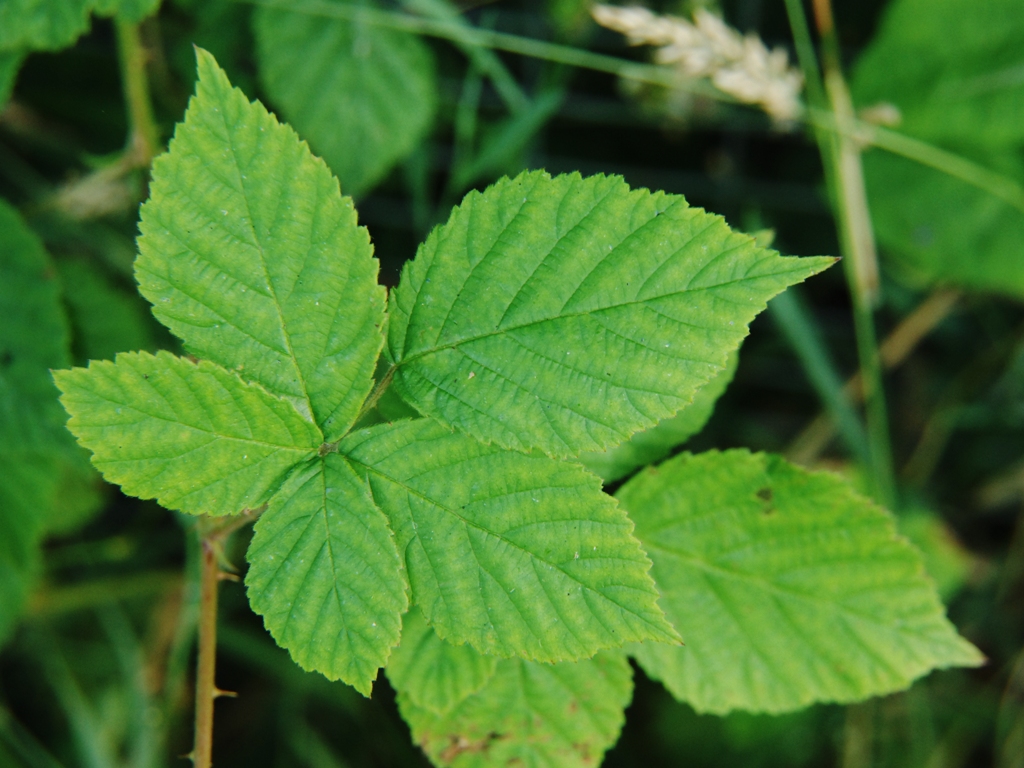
[[788, 587], [352, 594], [565, 714], [250, 254], [565, 313], [524, 555], [192, 436], [433, 674], [363, 95]]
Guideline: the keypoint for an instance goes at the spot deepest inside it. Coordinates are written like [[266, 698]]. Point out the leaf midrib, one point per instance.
[[582, 313], [263, 261]]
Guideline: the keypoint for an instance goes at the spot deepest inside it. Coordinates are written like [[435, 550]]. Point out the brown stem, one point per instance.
[[206, 689]]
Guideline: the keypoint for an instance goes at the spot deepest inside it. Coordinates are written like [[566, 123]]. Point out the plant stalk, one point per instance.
[[840, 155], [206, 690], [212, 535], [143, 136]]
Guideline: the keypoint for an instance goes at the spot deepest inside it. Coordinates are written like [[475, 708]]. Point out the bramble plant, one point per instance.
[[464, 548]]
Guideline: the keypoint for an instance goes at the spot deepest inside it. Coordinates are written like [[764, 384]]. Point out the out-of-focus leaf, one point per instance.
[[362, 95], [954, 69], [105, 319], [944, 231]]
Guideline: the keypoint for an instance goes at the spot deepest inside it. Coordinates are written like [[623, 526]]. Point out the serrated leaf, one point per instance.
[[42, 25], [326, 576], [511, 553], [561, 716], [656, 443], [195, 437], [787, 587], [363, 95], [433, 674], [952, 68], [250, 254], [566, 313]]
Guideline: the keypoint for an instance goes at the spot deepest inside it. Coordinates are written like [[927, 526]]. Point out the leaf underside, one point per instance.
[[326, 576], [192, 436], [250, 254], [363, 95], [514, 554], [787, 587], [564, 314], [557, 716]]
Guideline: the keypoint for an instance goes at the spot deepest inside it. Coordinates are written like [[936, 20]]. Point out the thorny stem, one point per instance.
[[143, 137], [212, 535]]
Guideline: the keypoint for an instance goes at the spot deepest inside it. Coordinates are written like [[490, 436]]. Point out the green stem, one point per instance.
[[144, 137], [844, 173]]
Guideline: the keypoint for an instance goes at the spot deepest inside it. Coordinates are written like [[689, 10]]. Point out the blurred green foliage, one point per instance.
[[97, 590]]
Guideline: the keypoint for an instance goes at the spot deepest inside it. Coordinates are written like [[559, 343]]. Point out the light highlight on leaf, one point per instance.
[[513, 554], [787, 587], [194, 437], [250, 254], [326, 576], [567, 313]]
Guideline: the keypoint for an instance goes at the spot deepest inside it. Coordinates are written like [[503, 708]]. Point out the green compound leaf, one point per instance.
[[363, 95], [514, 554], [432, 674], [250, 254], [952, 68], [787, 587], [566, 313], [42, 25], [326, 576], [656, 443], [528, 714], [194, 437]]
